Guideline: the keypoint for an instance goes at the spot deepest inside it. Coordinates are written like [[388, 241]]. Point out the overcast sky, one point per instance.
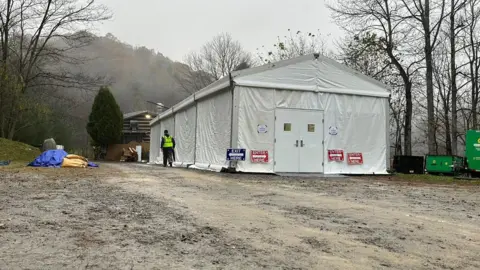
[[175, 27]]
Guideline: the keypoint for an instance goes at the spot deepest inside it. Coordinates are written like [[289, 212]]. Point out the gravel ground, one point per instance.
[[129, 216]]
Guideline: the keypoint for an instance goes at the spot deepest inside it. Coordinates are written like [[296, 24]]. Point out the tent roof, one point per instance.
[[310, 72]]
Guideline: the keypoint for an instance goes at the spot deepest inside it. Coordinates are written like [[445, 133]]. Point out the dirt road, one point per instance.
[[142, 217]]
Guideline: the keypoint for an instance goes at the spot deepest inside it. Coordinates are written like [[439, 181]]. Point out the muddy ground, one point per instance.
[[142, 217]]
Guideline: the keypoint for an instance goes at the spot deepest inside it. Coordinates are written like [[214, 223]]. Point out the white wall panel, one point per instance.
[[185, 122], [214, 128]]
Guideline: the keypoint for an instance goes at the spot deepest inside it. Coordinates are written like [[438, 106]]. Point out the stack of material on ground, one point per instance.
[[74, 161], [116, 151], [129, 155], [60, 158]]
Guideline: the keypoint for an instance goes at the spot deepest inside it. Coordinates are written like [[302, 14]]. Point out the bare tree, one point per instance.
[[216, 59], [395, 38], [397, 111], [454, 29], [297, 43], [36, 38], [443, 85], [190, 75], [470, 41], [365, 54], [424, 12]]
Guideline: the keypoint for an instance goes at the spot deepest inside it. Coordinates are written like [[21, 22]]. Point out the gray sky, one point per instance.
[[175, 27]]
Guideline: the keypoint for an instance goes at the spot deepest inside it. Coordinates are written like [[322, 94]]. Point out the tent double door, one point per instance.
[[298, 141]]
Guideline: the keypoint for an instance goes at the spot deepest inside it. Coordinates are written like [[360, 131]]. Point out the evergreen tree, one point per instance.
[[105, 122]]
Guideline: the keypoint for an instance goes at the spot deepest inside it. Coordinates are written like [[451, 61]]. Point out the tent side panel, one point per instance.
[[214, 129], [387, 131], [356, 124], [235, 119], [155, 135], [185, 135], [298, 100], [256, 107]]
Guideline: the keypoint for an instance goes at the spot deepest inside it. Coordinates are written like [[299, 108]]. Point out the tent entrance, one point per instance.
[[299, 141]]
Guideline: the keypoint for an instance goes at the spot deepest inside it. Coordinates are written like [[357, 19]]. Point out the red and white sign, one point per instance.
[[335, 155], [259, 156], [355, 158]]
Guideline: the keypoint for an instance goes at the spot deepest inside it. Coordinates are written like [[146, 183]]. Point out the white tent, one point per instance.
[[308, 114]]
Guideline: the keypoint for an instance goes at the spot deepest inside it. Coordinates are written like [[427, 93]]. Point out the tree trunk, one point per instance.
[[12, 128], [476, 87], [453, 69], [474, 115], [2, 126], [429, 80], [474, 96], [398, 138], [408, 119], [448, 138], [2, 115], [409, 104]]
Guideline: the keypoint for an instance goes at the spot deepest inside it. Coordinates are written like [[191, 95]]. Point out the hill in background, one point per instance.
[[135, 75]]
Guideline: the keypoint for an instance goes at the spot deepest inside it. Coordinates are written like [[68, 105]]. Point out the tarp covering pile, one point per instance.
[[60, 158]]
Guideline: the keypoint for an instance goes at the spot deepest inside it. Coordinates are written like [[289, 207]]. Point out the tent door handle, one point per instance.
[[296, 143], [301, 143]]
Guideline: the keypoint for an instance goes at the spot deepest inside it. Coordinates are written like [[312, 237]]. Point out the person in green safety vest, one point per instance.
[[168, 146]]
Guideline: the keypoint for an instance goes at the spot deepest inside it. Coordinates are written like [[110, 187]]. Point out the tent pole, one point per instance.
[[232, 164], [196, 124], [387, 129]]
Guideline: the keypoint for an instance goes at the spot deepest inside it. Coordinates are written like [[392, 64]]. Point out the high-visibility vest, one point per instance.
[[167, 141]]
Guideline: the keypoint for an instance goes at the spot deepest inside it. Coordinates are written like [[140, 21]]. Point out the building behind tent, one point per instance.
[[136, 126], [308, 114]]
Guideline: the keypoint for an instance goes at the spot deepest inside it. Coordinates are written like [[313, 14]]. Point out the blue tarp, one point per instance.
[[53, 158], [50, 158], [91, 164]]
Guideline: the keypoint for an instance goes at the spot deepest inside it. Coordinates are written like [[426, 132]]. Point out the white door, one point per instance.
[[298, 141], [311, 142], [287, 142]]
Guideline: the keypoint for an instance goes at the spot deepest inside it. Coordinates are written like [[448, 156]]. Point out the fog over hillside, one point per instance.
[[135, 74]]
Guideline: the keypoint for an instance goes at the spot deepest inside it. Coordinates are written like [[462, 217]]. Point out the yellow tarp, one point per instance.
[[74, 161]]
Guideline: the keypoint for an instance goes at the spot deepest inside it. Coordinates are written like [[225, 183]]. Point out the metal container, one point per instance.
[[408, 164], [472, 150], [441, 164]]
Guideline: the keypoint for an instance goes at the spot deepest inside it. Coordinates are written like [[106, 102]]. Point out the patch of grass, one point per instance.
[[18, 152], [434, 179]]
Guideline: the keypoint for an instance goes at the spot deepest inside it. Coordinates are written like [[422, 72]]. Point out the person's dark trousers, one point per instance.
[[166, 151]]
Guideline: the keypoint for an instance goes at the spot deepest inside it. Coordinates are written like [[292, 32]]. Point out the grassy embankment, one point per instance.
[[19, 153]]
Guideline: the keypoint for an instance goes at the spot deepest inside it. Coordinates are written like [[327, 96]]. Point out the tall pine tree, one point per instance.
[[105, 122]]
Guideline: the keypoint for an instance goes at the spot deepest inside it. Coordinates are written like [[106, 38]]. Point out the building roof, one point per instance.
[[311, 72], [137, 113]]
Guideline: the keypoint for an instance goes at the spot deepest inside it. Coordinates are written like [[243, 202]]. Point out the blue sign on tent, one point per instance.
[[236, 154]]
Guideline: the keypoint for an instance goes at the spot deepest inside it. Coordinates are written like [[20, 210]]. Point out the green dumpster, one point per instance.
[[472, 150], [439, 164]]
